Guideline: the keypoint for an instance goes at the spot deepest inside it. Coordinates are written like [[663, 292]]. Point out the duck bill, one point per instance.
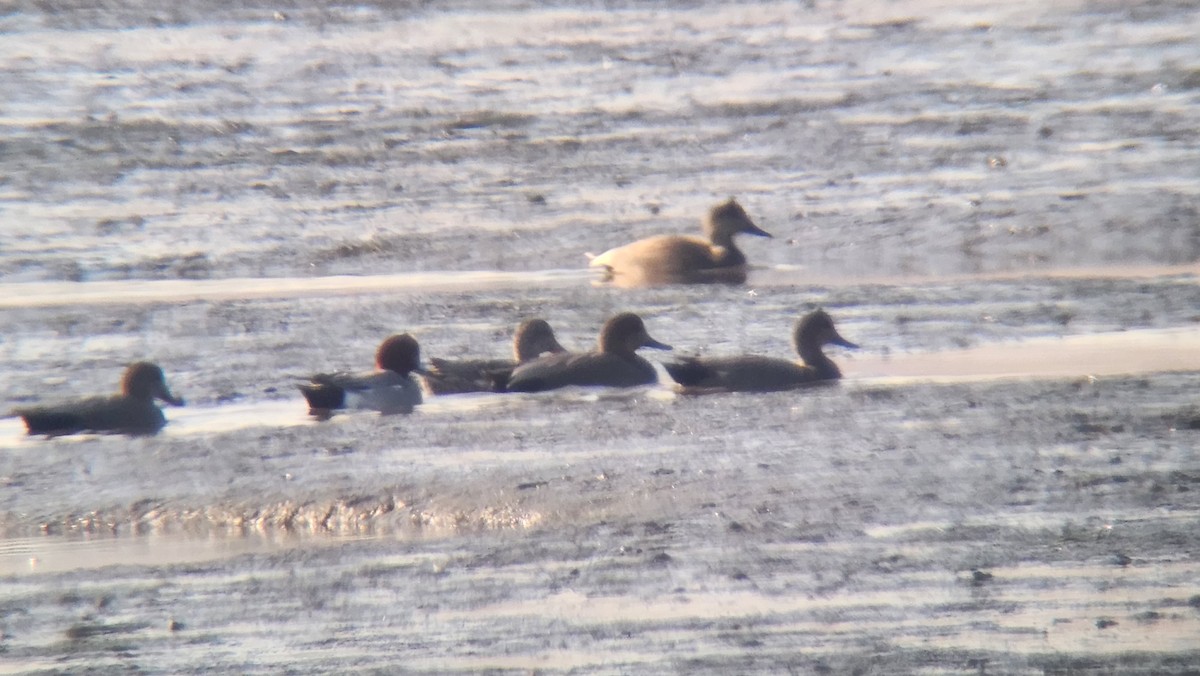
[[838, 340], [655, 345], [165, 394], [752, 229]]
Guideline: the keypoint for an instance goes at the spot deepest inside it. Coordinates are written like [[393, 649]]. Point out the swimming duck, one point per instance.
[[533, 338], [753, 373], [682, 259], [131, 412], [388, 389], [613, 364]]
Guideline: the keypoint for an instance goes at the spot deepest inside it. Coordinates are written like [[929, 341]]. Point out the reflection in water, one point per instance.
[[52, 294], [790, 274], [61, 294], [202, 420], [924, 609], [55, 554], [1105, 354]]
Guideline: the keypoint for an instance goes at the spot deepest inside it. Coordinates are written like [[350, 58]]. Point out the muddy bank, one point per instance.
[[1025, 527], [1022, 526], [997, 201], [899, 521]]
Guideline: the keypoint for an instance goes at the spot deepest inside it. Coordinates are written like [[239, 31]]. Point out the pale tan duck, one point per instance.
[[533, 338], [684, 259], [613, 363], [754, 373]]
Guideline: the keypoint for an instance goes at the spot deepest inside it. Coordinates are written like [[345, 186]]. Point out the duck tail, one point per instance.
[[603, 264], [687, 371], [50, 421], [323, 397]]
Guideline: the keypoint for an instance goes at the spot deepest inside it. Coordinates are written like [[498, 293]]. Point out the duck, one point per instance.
[[532, 339], [684, 259], [754, 373], [132, 412], [613, 363], [388, 389]]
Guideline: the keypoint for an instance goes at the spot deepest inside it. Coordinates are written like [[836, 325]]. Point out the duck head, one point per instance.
[[728, 219], [533, 338], [815, 330], [625, 333], [399, 353], [144, 380]]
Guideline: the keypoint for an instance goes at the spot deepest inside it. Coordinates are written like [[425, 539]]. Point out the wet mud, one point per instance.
[[997, 202]]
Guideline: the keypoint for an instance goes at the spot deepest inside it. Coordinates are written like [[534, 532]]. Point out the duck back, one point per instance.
[[749, 373], [447, 376], [114, 415], [672, 259], [681, 259], [590, 369], [383, 391]]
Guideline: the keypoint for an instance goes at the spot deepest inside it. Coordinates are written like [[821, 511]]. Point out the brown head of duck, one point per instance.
[[534, 338], [624, 334], [399, 353], [720, 225], [684, 259], [811, 334]]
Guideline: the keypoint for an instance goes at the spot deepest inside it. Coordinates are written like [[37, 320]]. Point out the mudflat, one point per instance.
[[997, 202]]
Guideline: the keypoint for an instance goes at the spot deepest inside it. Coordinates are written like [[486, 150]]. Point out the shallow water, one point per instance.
[[998, 202]]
